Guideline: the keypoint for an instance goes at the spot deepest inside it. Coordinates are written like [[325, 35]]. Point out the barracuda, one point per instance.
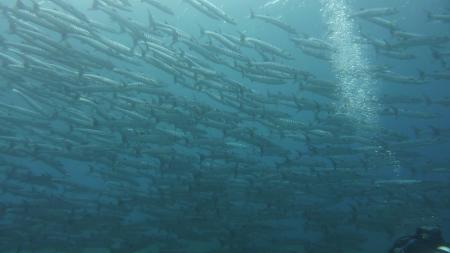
[[159, 6], [286, 27], [222, 39], [266, 47], [70, 9], [375, 12], [216, 11], [313, 43]]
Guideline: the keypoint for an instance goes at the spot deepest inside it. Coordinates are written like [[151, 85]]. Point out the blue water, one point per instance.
[[172, 183]]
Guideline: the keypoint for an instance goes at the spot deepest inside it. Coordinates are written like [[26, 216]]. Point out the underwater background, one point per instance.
[[222, 125]]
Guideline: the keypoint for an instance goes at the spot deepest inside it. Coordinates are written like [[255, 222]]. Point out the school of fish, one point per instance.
[[133, 135]]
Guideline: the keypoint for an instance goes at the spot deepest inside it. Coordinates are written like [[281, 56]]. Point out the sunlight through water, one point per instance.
[[352, 69], [350, 64]]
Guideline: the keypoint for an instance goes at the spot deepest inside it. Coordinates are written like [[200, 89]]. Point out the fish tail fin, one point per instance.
[[422, 74], [71, 128], [242, 37], [175, 37], [301, 87], [235, 64], [242, 71], [318, 107], [135, 45], [395, 111], [364, 35], [4, 11], [19, 5], [312, 149], [427, 99], [63, 36], [151, 20], [429, 16], [144, 53], [417, 132], [80, 73], [279, 165], [2, 42], [36, 6], [377, 49], [26, 63], [392, 30], [252, 14], [436, 132], [122, 29], [12, 27], [298, 104], [387, 44], [202, 30], [95, 5], [333, 163], [395, 27], [435, 53], [201, 157], [309, 76]]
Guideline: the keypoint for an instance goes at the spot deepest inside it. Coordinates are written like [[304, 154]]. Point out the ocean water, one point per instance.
[[309, 126]]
